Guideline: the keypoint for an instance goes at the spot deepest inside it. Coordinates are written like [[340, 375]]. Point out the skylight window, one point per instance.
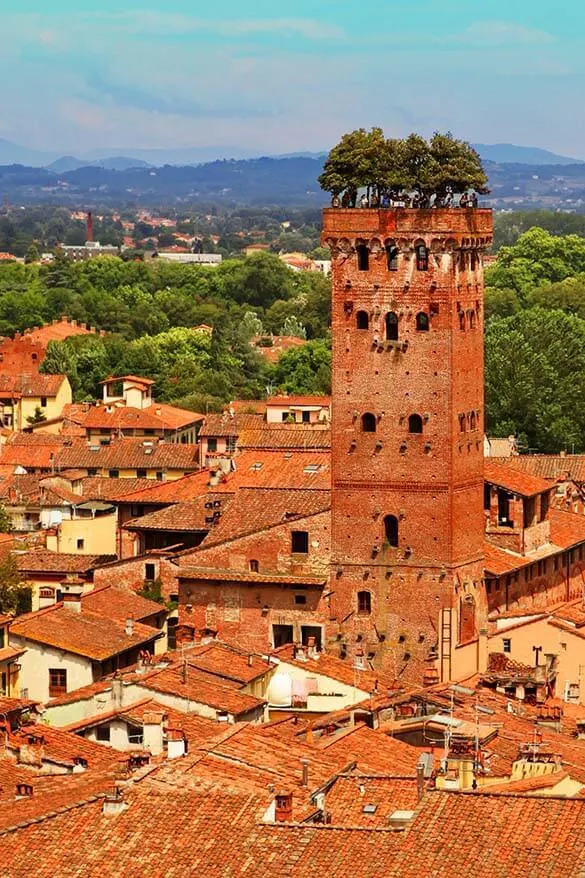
[[312, 468], [370, 808]]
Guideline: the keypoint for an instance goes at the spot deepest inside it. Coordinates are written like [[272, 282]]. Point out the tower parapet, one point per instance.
[[407, 434]]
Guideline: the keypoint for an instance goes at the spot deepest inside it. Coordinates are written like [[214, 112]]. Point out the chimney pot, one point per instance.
[[305, 778], [129, 626]]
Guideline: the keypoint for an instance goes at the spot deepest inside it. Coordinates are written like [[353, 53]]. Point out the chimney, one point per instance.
[[130, 626], [32, 751], [72, 590], [420, 780], [312, 651], [153, 732], [114, 804], [283, 809], [117, 691], [176, 744], [305, 778]]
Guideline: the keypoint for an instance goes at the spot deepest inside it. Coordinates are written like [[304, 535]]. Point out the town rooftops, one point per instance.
[[198, 686], [190, 515], [188, 487], [22, 384], [128, 454], [134, 379], [227, 574], [58, 330], [89, 634], [119, 603], [296, 401], [548, 466], [285, 436], [226, 424], [155, 417], [45, 561], [514, 481], [567, 530]]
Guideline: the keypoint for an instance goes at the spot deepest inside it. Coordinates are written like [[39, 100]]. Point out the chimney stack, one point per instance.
[[153, 732], [305, 779], [130, 626], [420, 780], [72, 590]]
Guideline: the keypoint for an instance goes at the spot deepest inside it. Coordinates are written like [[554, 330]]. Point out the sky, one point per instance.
[[274, 77]]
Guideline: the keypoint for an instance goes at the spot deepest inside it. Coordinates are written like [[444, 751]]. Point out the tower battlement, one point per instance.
[[359, 222]]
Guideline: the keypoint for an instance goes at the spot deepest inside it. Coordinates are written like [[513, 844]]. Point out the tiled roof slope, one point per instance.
[[188, 516], [87, 634], [44, 561], [256, 509], [225, 424], [26, 384], [129, 454], [287, 437], [119, 603], [281, 469], [57, 331], [548, 466], [524, 484], [188, 487], [155, 417]]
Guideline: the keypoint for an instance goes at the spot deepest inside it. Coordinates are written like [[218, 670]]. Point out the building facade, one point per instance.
[[407, 435]]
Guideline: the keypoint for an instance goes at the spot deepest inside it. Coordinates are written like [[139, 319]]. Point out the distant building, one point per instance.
[[189, 258]]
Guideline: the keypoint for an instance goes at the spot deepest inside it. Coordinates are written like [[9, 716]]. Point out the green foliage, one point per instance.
[[292, 326], [535, 379], [15, 596], [305, 369], [38, 417], [366, 159], [5, 521], [32, 254], [152, 591]]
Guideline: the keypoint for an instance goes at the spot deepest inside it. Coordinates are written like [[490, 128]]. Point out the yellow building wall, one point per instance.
[[170, 475], [98, 535], [26, 407]]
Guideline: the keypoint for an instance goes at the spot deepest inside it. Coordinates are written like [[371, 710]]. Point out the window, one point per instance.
[[212, 444], [140, 473], [462, 320], [467, 630], [300, 599], [362, 320], [92, 471], [230, 444], [300, 542], [114, 473], [363, 257], [364, 601], [462, 421], [472, 319], [57, 682], [254, 566], [282, 634], [391, 530], [80, 545], [159, 475], [43, 402], [472, 421], [415, 424], [149, 432], [506, 644], [368, 423], [308, 631], [392, 256], [422, 257], [149, 572], [1, 638], [103, 734], [422, 322], [172, 630], [391, 326], [306, 417]]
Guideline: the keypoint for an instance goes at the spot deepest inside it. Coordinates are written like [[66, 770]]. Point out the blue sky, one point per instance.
[[272, 77]]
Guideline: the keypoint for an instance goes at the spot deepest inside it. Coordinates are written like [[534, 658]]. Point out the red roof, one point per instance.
[[33, 384], [513, 480], [58, 330]]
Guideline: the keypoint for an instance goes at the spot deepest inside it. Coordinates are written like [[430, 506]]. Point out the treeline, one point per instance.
[[535, 342], [149, 310]]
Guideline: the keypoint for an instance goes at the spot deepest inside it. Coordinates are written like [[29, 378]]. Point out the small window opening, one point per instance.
[[507, 644], [300, 542], [415, 424], [80, 545], [391, 530], [368, 423], [422, 257], [472, 421], [462, 320], [422, 322], [391, 326], [254, 565], [300, 599], [392, 257], [462, 420], [363, 257], [472, 319], [362, 320], [149, 572], [364, 600]]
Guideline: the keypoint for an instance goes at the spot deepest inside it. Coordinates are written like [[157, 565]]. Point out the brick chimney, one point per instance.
[[72, 591], [153, 732], [283, 808]]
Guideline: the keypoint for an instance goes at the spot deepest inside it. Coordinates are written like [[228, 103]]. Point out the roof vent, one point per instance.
[[400, 819]]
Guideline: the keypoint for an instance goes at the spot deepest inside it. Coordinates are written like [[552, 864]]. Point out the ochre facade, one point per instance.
[[407, 434]]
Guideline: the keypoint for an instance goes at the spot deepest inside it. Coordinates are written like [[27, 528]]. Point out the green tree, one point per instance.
[[38, 417], [292, 326], [305, 369], [15, 596], [32, 254], [5, 521]]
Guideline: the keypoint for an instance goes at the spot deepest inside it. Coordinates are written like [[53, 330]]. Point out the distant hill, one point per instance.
[[117, 163], [508, 153], [15, 154]]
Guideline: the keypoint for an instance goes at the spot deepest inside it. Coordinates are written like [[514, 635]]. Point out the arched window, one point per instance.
[[363, 257], [364, 602], [254, 565], [362, 320], [462, 320], [422, 257], [368, 423], [391, 530], [392, 256], [462, 423], [391, 326], [473, 265], [422, 322], [472, 319], [472, 421], [415, 424]]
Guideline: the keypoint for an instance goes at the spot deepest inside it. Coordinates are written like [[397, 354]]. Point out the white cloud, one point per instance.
[[503, 33]]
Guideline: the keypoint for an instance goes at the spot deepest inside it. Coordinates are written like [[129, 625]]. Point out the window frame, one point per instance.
[[301, 536], [57, 682]]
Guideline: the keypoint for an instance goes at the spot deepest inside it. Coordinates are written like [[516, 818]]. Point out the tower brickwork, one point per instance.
[[407, 436]]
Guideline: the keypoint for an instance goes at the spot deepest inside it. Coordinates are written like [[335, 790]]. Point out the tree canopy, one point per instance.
[[366, 159]]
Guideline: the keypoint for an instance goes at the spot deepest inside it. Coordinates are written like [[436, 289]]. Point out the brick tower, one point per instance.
[[407, 437]]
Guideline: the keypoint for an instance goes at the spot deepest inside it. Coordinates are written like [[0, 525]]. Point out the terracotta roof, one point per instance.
[[282, 401], [31, 450], [498, 561], [256, 509], [201, 687], [156, 417], [248, 406], [227, 662], [278, 469], [57, 331], [548, 466], [175, 491], [358, 799], [227, 425], [286, 436], [191, 515], [119, 603], [88, 634], [136, 379], [217, 574], [129, 454], [512, 480], [567, 528], [280, 344], [104, 488], [22, 384], [44, 561]]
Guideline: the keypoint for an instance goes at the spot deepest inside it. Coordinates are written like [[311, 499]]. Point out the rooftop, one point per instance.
[[514, 481]]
